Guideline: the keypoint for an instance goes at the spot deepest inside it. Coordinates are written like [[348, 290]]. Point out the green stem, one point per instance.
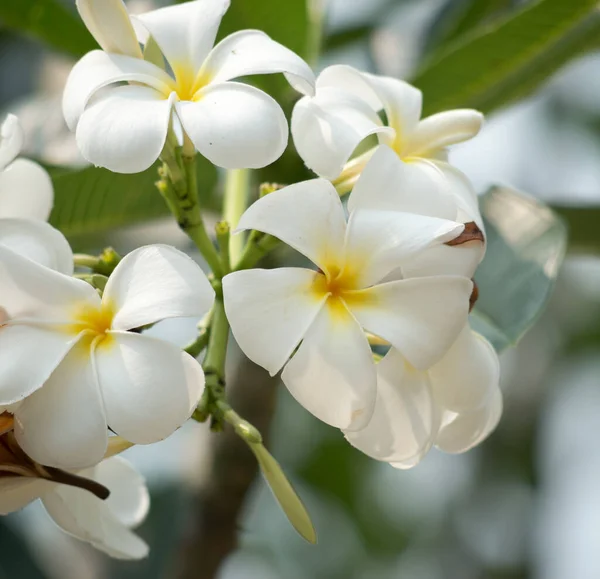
[[316, 18], [237, 190], [258, 246], [84, 260], [223, 240], [214, 363], [196, 347]]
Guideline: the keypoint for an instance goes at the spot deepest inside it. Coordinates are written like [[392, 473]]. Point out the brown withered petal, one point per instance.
[[470, 233], [7, 423], [474, 296]]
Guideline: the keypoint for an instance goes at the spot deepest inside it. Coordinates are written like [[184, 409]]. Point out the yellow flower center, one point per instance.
[[94, 321], [341, 288], [188, 83]]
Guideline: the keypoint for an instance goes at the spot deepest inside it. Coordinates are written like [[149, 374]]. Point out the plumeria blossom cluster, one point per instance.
[[372, 336]]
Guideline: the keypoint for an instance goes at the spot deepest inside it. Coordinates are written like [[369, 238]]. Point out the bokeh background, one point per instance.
[[526, 503]]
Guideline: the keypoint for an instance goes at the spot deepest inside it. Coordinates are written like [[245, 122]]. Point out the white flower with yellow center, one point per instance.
[[318, 318], [106, 524], [454, 405], [76, 364], [26, 198], [328, 127], [124, 127]]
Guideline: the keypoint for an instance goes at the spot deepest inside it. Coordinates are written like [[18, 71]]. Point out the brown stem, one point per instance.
[[213, 527]]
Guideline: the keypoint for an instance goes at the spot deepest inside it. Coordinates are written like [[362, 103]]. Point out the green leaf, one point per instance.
[[526, 243], [284, 493], [49, 21], [93, 200], [583, 227], [509, 59]]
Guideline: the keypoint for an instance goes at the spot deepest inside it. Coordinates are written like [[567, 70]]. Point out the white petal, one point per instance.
[[63, 424], [150, 387], [405, 421], [11, 140], [129, 500], [401, 101], [39, 242], [308, 216], [465, 377], [235, 125], [98, 69], [377, 242], [388, 183], [28, 356], [460, 260], [109, 23], [18, 492], [125, 129], [37, 293], [253, 52], [332, 374], [86, 517], [187, 32], [270, 311], [443, 129], [157, 282], [25, 191], [463, 431], [420, 317], [328, 127]]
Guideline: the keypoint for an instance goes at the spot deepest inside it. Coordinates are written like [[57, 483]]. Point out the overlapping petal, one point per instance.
[[86, 517], [445, 260], [444, 129], [332, 374], [464, 379], [25, 191], [308, 216], [154, 283], [270, 312], [185, 33], [129, 500], [109, 23], [18, 344], [149, 387], [39, 242], [32, 291], [11, 140], [405, 421], [63, 424], [328, 127], [378, 241], [235, 125], [401, 101], [249, 52], [388, 183], [420, 317], [98, 69], [125, 129], [461, 432]]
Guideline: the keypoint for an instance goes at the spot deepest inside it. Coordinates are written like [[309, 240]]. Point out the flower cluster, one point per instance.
[[372, 336]]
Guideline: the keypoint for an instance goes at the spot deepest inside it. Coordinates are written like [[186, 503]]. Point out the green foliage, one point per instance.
[[15, 556], [49, 21], [526, 242], [583, 227], [509, 58], [92, 200]]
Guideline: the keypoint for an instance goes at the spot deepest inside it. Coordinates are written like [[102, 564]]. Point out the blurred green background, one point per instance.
[[526, 503]]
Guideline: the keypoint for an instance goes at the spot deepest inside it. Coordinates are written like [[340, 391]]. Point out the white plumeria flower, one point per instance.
[[106, 524], [26, 198], [453, 405], [124, 127], [323, 313], [328, 127], [388, 184], [71, 360]]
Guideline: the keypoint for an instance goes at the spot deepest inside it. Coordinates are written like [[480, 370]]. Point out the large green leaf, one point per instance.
[[49, 21], [93, 200], [507, 60], [526, 242]]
